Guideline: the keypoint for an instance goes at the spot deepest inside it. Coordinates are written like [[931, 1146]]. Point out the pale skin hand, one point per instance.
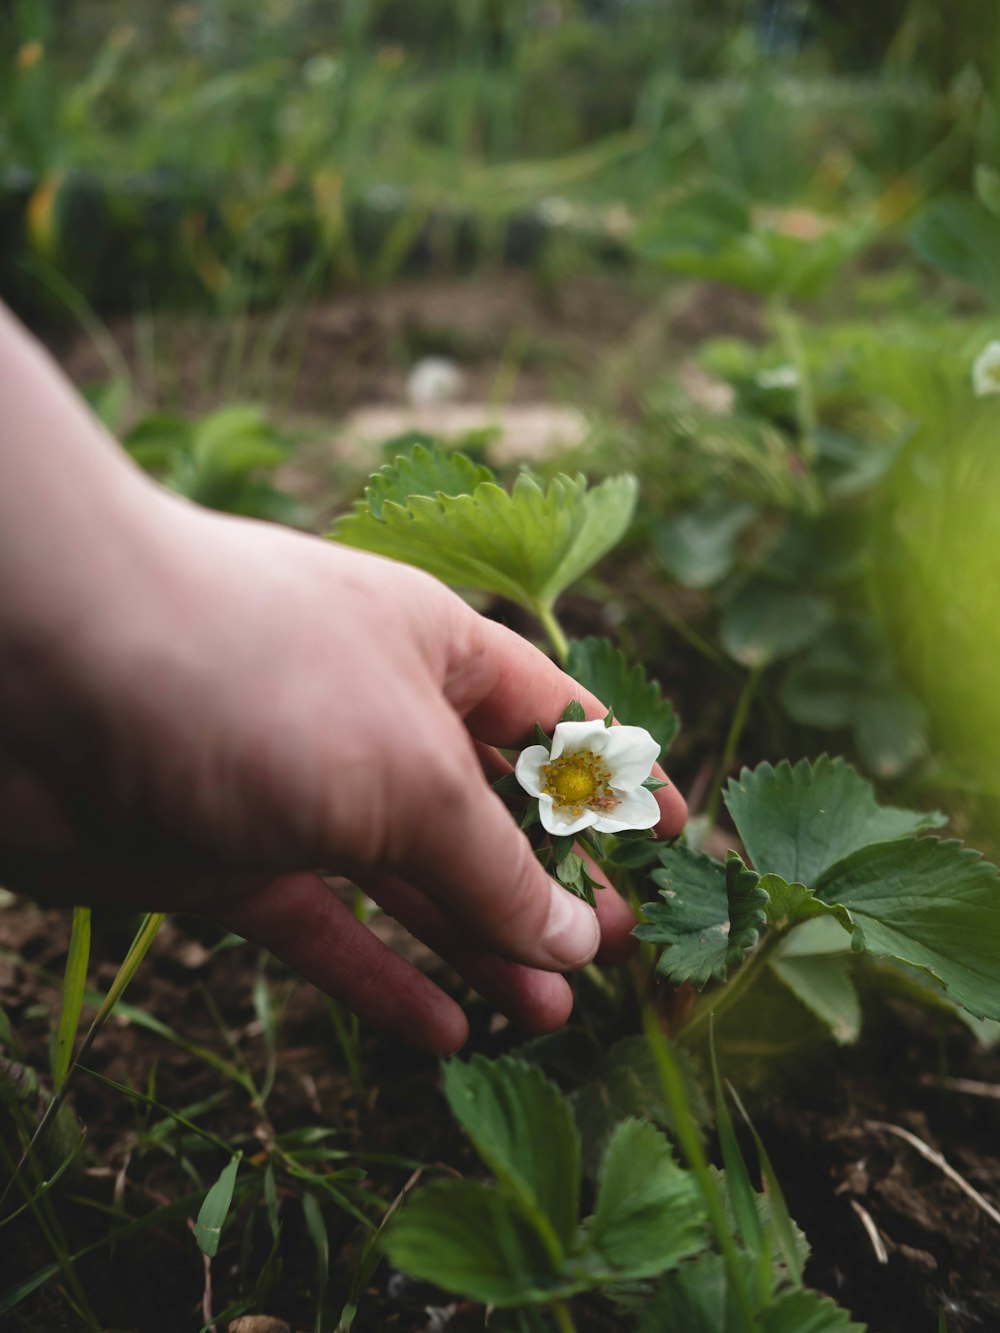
[[197, 712]]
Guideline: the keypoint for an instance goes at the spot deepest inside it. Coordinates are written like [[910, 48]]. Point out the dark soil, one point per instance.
[[826, 1128]]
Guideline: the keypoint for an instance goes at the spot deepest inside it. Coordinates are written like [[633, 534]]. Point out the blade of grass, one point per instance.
[[784, 1230], [47, 1184], [217, 1062], [313, 1214], [739, 1187], [137, 951], [687, 1136], [214, 1211], [145, 1100], [74, 985]]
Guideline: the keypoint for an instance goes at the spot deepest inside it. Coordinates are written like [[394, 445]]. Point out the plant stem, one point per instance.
[[555, 632], [561, 1314], [728, 995], [740, 715], [790, 333], [690, 1145]]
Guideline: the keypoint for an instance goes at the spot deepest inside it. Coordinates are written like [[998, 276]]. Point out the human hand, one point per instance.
[[227, 706]]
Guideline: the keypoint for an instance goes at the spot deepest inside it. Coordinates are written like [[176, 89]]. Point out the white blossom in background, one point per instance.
[[592, 778], [781, 377], [986, 370], [434, 379]]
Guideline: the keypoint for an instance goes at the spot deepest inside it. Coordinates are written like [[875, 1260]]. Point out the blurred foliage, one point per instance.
[[217, 151]]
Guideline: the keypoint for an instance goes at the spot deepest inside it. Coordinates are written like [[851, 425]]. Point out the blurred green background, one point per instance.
[[788, 215]]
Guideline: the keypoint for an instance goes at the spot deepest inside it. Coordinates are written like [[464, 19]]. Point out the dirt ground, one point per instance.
[[894, 1238]]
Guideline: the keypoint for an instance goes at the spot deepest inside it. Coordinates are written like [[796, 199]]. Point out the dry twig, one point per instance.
[[878, 1244], [934, 1157]]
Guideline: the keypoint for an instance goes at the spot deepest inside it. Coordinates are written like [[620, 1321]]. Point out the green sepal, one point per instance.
[[593, 842], [654, 784], [562, 845], [531, 815], [541, 738], [572, 874], [573, 712], [508, 786], [631, 697]]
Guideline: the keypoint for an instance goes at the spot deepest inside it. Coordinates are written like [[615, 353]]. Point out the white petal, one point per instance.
[[528, 769], [554, 820], [985, 370], [630, 753], [635, 809], [569, 737]]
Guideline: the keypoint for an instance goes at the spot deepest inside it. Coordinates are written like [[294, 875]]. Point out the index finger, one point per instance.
[[502, 685]]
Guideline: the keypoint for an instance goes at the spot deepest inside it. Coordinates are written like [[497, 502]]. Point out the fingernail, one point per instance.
[[571, 934]]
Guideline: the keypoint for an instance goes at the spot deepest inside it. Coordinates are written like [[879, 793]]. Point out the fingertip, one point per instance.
[[450, 1035], [617, 919], [571, 934], [673, 812]]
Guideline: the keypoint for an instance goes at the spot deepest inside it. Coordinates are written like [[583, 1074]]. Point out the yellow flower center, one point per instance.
[[577, 780]]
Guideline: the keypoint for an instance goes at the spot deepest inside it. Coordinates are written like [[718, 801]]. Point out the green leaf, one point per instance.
[[628, 1085], [764, 620], [471, 1239], [710, 915], [825, 987], [933, 904], [649, 1214], [424, 471], [711, 233], [962, 238], [523, 1128], [890, 732], [848, 680], [634, 699], [696, 1299], [697, 547], [806, 1312], [527, 546], [797, 822], [790, 904], [215, 1209], [987, 183], [829, 548]]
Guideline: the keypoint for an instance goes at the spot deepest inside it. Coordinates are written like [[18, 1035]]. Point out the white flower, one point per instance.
[[781, 377], [592, 778], [986, 370], [434, 379]]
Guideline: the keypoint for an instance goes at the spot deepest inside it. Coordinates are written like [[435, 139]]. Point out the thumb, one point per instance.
[[466, 852]]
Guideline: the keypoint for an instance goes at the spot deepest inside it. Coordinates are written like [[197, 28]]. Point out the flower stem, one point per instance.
[[555, 632], [561, 1314], [739, 721], [726, 996]]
